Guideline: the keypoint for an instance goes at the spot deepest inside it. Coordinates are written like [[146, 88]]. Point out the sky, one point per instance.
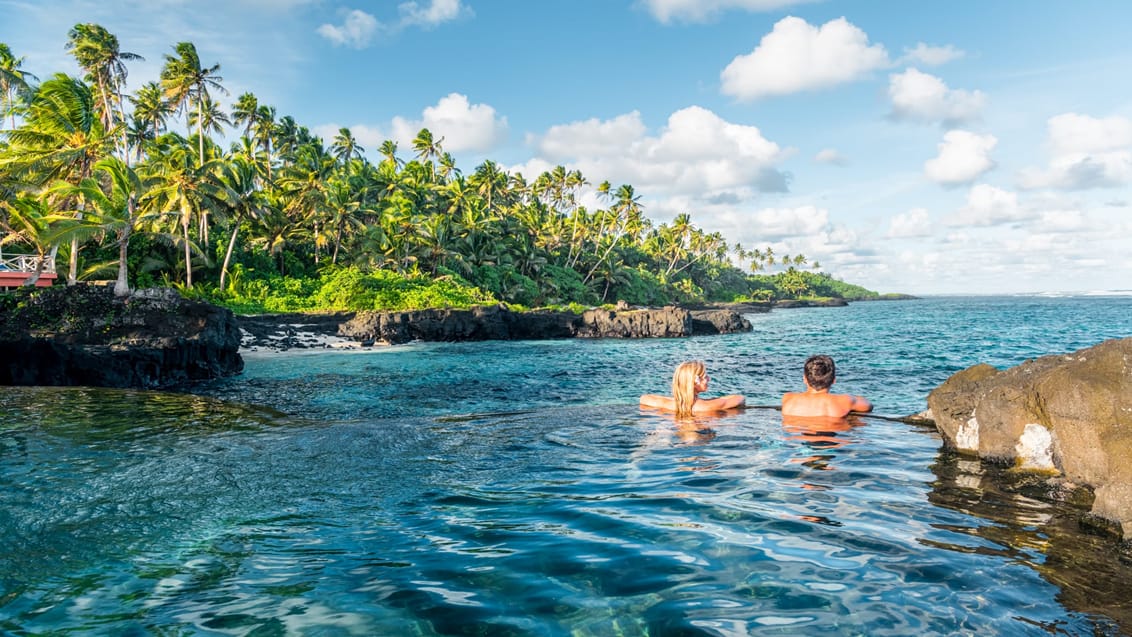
[[914, 147]]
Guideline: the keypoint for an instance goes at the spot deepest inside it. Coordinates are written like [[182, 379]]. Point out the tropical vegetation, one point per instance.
[[282, 219]]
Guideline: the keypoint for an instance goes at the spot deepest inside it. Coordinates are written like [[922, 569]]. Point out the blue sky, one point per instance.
[[920, 147]]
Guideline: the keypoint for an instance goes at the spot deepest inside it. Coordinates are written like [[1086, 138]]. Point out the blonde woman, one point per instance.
[[688, 381]]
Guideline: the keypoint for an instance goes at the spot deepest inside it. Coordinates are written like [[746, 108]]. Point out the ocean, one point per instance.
[[515, 488]]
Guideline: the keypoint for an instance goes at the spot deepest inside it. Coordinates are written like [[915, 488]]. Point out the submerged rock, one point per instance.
[[84, 335], [1069, 415]]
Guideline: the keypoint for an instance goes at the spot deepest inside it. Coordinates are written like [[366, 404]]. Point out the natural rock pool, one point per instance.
[[515, 488]]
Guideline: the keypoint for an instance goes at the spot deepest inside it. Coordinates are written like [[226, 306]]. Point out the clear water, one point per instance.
[[514, 488]]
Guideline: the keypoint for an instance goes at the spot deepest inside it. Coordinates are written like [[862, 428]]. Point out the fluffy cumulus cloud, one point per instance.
[[702, 10], [932, 55], [359, 29], [923, 97], [914, 223], [796, 56], [463, 125], [789, 230], [990, 206], [1085, 152], [963, 157], [696, 152]]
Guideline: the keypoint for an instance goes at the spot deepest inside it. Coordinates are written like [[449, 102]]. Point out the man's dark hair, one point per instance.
[[820, 371]]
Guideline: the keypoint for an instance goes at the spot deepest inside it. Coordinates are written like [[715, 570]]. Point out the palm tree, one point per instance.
[[28, 222], [97, 52], [490, 182], [346, 147], [185, 80], [246, 111], [304, 183], [151, 107], [237, 177], [61, 139], [209, 117], [184, 190], [13, 81], [114, 205], [388, 150], [428, 149]]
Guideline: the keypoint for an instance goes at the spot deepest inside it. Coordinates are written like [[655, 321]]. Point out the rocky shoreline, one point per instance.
[[281, 332], [1065, 418]]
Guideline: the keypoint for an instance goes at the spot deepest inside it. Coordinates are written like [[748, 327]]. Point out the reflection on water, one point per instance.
[[821, 434], [146, 513], [1031, 520]]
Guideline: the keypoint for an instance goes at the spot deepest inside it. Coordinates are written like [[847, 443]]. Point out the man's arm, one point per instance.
[[859, 403]]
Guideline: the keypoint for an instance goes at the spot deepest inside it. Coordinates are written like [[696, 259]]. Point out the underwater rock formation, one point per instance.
[[1069, 415]]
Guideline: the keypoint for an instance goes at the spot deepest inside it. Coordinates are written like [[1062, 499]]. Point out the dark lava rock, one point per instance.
[[84, 335]]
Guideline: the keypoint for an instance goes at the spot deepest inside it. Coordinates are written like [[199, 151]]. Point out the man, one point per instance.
[[818, 374]]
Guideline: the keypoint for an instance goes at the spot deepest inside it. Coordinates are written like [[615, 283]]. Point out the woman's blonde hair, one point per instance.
[[684, 385]]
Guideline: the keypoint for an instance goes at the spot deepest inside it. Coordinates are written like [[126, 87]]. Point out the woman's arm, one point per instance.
[[719, 404], [657, 401]]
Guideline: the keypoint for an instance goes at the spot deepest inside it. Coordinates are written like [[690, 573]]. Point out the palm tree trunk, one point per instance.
[[188, 255], [73, 266], [228, 254], [122, 285]]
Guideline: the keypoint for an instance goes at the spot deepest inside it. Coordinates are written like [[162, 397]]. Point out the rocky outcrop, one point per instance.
[[718, 322], [1068, 415], [499, 323], [84, 335], [791, 303]]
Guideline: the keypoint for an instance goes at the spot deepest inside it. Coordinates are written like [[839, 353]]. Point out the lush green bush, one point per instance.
[[559, 285], [641, 287], [341, 288]]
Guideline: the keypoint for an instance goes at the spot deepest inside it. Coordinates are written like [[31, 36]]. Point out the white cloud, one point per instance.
[[773, 224], [1086, 152], [464, 126], [357, 30], [914, 223], [434, 13], [830, 156], [989, 206], [590, 138], [796, 56], [963, 157], [702, 10], [932, 55], [697, 152], [1073, 133], [1058, 221], [919, 96]]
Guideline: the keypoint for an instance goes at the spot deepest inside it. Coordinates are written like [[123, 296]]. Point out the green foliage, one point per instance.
[[299, 205], [342, 288], [507, 283], [642, 287], [560, 285]]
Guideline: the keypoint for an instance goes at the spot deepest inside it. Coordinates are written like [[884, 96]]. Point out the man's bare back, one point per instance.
[[821, 403], [818, 374]]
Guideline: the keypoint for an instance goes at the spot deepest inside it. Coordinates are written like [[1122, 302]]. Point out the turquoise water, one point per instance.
[[514, 488]]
